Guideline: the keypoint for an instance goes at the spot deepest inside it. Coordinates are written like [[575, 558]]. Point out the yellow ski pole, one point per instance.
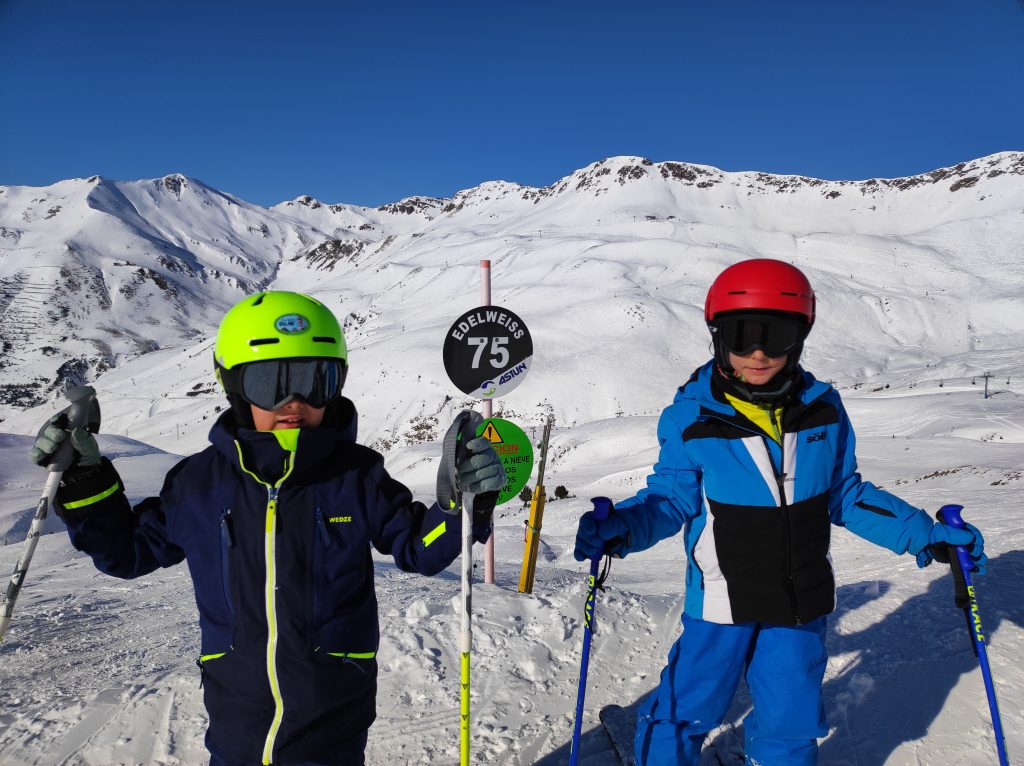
[[450, 497]]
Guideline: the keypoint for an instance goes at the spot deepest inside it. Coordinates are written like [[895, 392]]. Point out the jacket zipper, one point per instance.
[[780, 479], [319, 554], [270, 550], [227, 538], [269, 593]]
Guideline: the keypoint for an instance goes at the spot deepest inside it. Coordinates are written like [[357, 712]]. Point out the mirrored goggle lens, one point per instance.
[[776, 336], [274, 383]]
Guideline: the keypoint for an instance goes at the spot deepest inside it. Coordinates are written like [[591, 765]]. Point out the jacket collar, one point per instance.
[[264, 454], [700, 390]]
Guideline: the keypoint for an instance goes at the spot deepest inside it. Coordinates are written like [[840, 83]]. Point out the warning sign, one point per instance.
[[492, 433], [515, 451]]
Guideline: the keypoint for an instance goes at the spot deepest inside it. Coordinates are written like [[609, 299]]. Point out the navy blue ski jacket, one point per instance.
[[758, 514], [276, 528]]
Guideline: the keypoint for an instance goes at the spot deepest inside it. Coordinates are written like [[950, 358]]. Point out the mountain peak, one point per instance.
[[174, 183], [425, 206]]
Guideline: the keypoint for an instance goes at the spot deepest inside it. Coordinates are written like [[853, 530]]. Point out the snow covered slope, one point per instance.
[[920, 293], [101, 671], [919, 283]]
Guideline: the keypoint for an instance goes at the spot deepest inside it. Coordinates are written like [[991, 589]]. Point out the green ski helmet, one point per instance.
[[274, 326], [278, 325]]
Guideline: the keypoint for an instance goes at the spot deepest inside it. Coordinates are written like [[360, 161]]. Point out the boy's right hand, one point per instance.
[[595, 538], [943, 537], [51, 437]]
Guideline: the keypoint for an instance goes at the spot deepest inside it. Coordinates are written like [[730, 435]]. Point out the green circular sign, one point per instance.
[[515, 450]]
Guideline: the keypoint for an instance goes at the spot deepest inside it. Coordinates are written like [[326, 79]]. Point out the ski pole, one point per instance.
[[602, 508], [967, 600], [450, 498], [84, 409]]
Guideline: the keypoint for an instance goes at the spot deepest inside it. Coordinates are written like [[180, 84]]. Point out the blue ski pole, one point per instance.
[[602, 508], [966, 599]]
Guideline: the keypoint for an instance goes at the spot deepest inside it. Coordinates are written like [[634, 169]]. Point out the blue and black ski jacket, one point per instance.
[[758, 513], [276, 528]]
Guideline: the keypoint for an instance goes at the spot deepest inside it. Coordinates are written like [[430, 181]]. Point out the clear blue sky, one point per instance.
[[367, 103]]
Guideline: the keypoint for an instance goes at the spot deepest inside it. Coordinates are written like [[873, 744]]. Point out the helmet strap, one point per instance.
[[242, 411], [777, 390]]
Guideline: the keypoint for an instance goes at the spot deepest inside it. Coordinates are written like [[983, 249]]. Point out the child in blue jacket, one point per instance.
[[757, 462], [275, 520]]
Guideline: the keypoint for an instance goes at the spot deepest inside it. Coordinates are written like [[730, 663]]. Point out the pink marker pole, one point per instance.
[[488, 412]]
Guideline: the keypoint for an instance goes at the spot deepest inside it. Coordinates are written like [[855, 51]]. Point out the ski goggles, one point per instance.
[[776, 335], [275, 382]]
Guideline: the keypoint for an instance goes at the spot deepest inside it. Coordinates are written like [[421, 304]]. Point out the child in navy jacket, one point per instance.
[[275, 519]]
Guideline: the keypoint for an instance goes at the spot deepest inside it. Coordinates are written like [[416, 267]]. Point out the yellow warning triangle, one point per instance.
[[492, 434]]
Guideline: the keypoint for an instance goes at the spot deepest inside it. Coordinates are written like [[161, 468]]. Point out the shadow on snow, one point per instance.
[[904, 668]]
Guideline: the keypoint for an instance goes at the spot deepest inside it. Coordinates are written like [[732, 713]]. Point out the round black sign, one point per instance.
[[488, 352]]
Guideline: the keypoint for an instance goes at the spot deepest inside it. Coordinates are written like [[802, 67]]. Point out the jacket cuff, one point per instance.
[[83, 488], [919, 532]]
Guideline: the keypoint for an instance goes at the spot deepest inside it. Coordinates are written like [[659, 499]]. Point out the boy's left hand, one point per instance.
[[943, 536], [482, 471]]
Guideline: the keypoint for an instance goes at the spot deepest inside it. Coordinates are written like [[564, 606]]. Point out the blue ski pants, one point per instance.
[[784, 668]]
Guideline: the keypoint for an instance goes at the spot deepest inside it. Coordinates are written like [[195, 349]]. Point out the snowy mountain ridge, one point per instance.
[[105, 281]]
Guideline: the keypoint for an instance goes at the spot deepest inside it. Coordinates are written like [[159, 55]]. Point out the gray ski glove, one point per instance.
[[482, 470], [52, 435]]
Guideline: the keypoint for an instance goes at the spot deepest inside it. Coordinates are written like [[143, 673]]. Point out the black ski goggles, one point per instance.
[[776, 335], [275, 382]]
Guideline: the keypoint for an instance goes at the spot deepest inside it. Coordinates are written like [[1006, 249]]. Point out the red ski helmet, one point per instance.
[[761, 284]]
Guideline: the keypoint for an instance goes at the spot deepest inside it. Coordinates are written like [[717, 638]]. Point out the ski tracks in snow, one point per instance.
[[141, 724], [88, 686], [512, 718], [526, 660]]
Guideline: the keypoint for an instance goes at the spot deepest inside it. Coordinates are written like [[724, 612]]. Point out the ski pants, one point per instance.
[[784, 668]]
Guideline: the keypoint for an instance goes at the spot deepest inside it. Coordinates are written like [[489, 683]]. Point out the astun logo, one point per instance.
[[488, 388], [291, 324]]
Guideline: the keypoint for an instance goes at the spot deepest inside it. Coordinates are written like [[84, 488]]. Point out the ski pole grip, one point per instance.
[[82, 400], [83, 411], [602, 507], [960, 559], [950, 516]]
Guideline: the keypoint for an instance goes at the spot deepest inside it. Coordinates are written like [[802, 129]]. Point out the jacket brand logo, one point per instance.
[[340, 519], [816, 437]]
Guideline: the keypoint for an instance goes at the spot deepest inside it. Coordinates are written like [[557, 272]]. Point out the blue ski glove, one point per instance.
[[52, 435], [942, 536], [594, 538], [482, 471]]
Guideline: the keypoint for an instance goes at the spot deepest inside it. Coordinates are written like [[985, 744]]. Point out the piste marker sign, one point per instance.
[[488, 352], [515, 451]]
